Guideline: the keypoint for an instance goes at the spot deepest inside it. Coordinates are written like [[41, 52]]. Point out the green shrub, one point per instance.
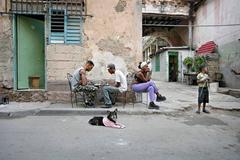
[[188, 61], [198, 61]]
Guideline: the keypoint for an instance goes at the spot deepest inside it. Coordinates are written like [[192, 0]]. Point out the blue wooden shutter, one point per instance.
[[57, 26], [157, 63], [73, 30]]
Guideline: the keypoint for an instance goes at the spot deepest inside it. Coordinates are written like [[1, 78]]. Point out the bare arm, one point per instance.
[[142, 77], [83, 80]]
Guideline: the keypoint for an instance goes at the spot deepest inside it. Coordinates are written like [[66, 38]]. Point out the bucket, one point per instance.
[[34, 82], [214, 86]]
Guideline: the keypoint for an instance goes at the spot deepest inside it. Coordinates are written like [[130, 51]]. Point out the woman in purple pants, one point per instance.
[[143, 83]]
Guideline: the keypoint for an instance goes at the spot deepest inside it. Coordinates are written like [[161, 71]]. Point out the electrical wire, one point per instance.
[[179, 25]]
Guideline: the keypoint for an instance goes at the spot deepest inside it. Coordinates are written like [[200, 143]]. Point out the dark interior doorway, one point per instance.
[[173, 66]]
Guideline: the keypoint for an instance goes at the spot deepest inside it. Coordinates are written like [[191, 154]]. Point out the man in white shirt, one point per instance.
[[119, 87]]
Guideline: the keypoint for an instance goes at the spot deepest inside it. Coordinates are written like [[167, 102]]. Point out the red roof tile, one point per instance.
[[206, 48]]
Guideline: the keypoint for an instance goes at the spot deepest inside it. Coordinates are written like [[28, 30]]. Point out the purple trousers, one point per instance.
[[149, 87]]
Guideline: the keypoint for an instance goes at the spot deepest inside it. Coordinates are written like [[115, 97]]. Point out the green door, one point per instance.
[[30, 51], [173, 66]]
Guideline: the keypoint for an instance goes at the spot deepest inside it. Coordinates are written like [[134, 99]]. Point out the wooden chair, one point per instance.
[[74, 94]]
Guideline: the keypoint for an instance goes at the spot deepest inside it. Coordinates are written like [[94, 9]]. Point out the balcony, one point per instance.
[[41, 7]]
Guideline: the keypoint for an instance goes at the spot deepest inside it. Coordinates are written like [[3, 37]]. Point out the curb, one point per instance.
[[95, 111], [77, 111], [69, 112], [18, 114], [225, 109]]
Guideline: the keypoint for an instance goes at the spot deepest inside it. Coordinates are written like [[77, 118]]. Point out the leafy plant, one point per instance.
[[199, 61], [188, 62]]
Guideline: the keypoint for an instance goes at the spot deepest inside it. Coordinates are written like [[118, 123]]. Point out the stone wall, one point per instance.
[[6, 56], [213, 65], [227, 38]]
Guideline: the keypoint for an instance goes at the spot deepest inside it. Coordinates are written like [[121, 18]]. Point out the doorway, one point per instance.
[[30, 56], [173, 66]]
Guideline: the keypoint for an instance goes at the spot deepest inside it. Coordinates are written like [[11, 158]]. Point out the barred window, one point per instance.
[[65, 28]]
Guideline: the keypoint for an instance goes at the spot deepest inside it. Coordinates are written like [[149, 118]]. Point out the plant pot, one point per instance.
[[34, 82]]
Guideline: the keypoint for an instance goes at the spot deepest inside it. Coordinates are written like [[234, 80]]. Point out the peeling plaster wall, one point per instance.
[[227, 38], [173, 7], [183, 33], [6, 55], [112, 35], [172, 37]]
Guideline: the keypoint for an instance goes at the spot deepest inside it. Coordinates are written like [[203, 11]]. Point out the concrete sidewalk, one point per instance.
[[180, 97]]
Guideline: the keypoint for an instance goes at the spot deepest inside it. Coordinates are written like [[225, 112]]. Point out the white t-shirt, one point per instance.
[[122, 79]]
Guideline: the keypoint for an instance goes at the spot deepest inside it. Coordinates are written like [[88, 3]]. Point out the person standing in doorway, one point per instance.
[[119, 87], [203, 93]]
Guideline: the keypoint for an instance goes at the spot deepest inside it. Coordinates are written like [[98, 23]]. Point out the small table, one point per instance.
[[99, 84]]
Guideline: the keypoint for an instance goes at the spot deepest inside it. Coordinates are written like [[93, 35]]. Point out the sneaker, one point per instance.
[[152, 105], [90, 105], [161, 98], [113, 99], [107, 106], [206, 111], [198, 112], [101, 100]]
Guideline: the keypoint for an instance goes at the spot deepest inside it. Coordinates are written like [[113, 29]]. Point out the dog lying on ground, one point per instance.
[[109, 121]]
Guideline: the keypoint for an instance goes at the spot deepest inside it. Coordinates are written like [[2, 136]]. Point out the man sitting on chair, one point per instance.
[[119, 87], [80, 83]]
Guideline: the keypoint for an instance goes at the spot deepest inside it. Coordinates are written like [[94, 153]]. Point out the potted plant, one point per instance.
[[198, 61], [188, 62]]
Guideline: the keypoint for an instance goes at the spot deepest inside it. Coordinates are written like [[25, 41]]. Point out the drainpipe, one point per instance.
[[190, 36], [190, 28]]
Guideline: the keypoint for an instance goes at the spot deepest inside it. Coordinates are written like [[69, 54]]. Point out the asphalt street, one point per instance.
[[180, 136]]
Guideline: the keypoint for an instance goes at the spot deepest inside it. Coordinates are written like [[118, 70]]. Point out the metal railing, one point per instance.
[[41, 7]]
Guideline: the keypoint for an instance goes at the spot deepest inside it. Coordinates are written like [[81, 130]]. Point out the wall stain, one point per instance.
[[121, 5], [114, 46]]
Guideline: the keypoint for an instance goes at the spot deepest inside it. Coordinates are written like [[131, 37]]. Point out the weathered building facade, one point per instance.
[[193, 23], [223, 16], [164, 44], [51, 38]]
